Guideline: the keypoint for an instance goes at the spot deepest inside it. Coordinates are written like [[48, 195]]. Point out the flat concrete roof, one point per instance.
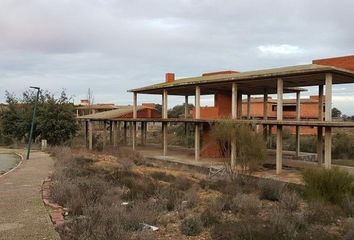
[[253, 82], [112, 114]]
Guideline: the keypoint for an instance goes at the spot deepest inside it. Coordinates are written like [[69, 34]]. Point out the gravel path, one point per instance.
[[22, 212]]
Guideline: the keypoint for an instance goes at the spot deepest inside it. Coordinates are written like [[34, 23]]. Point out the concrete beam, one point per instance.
[[197, 102]]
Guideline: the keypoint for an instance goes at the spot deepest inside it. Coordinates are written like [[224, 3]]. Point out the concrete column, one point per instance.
[[145, 132], [197, 102], [186, 110], [142, 133], [265, 105], [134, 136], [328, 118], [328, 147], [135, 103], [239, 105], [234, 101], [125, 133], [328, 100], [86, 133], [320, 129], [90, 135], [164, 138], [298, 114], [104, 133], [265, 114], [270, 142], [320, 145], [320, 102], [197, 142], [279, 149], [234, 116], [115, 133], [248, 106], [111, 132], [164, 104]]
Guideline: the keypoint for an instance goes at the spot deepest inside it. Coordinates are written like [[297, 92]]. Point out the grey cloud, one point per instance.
[[111, 46]]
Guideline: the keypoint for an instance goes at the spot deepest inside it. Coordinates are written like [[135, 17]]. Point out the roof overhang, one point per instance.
[[254, 82]]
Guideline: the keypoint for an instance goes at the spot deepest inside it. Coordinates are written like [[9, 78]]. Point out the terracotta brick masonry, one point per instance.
[[56, 211]]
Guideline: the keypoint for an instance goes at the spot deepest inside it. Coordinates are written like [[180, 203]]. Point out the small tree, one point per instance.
[[250, 146], [336, 113], [55, 119]]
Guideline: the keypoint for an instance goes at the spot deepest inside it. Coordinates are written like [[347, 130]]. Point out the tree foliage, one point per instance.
[[178, 110], [250, 145], [336, 113], [55, 120]]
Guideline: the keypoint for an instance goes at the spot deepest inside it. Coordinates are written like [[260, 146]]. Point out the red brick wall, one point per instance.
[[346, 62], [144, 113]]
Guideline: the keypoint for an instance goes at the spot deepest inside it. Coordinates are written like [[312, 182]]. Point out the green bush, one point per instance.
[[328, 184], [191, 226], [270, 189]]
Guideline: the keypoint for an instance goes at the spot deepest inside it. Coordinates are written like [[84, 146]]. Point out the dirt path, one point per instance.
[[22, 213]]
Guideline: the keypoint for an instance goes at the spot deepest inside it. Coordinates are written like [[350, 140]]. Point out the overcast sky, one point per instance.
[[111, 46]]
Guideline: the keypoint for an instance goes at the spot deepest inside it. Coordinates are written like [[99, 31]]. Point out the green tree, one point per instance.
[[55, 119], [336, 113], [178, 110]]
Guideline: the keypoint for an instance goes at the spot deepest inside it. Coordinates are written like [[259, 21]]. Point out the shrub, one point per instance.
[[290, 200], [246, 229], [162, 176], [348, 205], [210, 216], [191, 197], [283, 225], [251, 147], [270, 189], [328, 184], [316, 232], [191, 226], [245, 203], [171, 196], [182, 183], [322, 212]]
